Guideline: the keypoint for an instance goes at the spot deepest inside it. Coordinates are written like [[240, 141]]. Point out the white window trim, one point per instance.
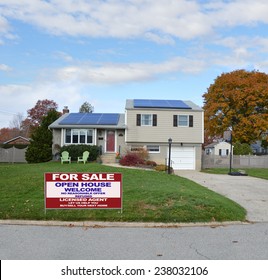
[[153, 152], [85, 130], [187, 120], [151, 120]]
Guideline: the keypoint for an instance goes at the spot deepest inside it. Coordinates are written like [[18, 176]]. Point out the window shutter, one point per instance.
[[138, 121], [154, 120], [175, 120], [191, 121]]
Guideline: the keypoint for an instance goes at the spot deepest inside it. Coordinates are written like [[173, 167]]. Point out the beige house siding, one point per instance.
[[99, 136], [121, 144], [222, 146], [56, 141], [162, 156], [215, 149], [164, 128]]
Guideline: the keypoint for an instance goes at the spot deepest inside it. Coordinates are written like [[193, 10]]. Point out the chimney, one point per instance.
[[65, 110]]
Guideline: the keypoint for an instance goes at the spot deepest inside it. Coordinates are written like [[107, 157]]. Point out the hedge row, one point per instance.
[[76, 151]]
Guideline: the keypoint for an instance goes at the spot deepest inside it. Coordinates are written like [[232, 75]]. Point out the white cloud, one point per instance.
[[129, 72], [156, 20], [16, 98], [112, 18], [5, 68], [63, 56], [239, 12]]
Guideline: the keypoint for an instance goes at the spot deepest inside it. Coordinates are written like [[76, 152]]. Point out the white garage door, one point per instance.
[[183, 158]]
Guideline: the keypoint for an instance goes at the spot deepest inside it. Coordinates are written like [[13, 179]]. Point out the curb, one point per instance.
[[94, 224]]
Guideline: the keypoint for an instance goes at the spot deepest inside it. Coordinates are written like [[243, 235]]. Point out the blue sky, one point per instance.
[[105, 51]]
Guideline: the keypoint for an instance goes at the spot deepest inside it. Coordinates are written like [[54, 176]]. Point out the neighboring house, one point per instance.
[[218, 149], [257, 148], [146, 124], [9, 152], [19, 140]]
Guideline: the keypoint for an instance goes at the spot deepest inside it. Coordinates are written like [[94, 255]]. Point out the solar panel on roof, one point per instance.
[[90, 119], [154, 103], [111, 119]]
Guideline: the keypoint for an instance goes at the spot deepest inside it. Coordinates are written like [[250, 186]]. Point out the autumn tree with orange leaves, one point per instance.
[[239, 101]]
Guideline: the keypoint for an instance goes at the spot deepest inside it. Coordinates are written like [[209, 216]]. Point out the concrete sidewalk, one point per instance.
[[251, 193]]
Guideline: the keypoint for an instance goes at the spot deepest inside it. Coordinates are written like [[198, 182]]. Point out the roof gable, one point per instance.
[[18, 140]]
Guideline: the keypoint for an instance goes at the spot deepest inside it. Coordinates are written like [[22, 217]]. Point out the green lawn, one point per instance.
[[148, 196], [254, 172]]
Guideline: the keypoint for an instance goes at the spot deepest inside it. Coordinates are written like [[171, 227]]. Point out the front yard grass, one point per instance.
[[148, 196], [254, 172]]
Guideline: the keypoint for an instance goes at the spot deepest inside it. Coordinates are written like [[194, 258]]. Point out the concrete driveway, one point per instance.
[[249, 192]]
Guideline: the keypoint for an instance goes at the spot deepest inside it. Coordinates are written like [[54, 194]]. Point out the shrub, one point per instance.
[[242, 149], [162, 168], [151, 163], [76, 151], [131, 159]]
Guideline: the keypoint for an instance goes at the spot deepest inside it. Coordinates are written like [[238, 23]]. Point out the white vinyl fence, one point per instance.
[[250, 161]]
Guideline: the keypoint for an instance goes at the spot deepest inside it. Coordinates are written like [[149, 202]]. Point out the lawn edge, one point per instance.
[[99, 224]]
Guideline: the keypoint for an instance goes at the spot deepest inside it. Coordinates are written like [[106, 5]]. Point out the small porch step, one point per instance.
[[108, 158]]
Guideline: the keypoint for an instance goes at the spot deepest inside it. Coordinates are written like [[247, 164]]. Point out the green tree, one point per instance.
[[237, 100], [40, 148], [86, 108], [242, 149]]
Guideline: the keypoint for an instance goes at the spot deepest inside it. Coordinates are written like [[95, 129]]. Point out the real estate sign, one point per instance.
[[83, 190]]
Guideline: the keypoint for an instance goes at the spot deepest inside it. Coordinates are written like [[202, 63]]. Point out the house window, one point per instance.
[[146, 120], [183, 120], [223, 152], [153, 148], [78, 136], [75, 136], [68, 136]]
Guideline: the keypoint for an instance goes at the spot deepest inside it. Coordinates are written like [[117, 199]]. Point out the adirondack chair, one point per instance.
[[84, 157], [65, 157]]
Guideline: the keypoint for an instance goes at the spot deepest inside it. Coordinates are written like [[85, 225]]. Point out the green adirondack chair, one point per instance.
[[84, 157], [65, 157]]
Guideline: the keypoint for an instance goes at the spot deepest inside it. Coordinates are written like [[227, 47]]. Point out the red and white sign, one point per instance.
[[83, 190]]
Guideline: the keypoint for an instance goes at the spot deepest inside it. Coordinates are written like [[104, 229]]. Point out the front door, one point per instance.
[[110, 141]]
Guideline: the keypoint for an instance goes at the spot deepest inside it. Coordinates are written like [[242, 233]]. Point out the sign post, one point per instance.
[[83, 191]]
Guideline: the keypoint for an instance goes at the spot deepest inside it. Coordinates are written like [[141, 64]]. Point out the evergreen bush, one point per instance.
[[76, 151]]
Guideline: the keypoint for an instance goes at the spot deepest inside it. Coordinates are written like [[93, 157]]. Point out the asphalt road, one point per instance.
[[232, 242]]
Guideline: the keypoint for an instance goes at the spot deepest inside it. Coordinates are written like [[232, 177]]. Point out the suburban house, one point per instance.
[[147, 124], [218, 149]]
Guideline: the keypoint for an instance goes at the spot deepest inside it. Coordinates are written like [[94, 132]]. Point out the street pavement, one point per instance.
[[232, 242], [251, 193]]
